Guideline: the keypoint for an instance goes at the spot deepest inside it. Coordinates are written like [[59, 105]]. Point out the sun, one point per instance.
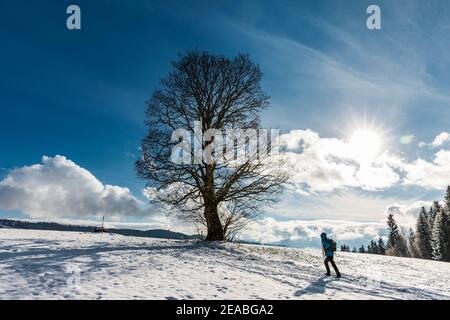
[[365, 144]]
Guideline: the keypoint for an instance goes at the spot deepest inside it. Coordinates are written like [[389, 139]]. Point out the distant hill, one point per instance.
[[156, 233]]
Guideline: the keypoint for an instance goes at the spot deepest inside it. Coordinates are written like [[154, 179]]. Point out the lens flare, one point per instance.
[[365, 145], [407, 139]]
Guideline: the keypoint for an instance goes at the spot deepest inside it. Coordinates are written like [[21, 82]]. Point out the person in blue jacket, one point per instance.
[[329, 255]]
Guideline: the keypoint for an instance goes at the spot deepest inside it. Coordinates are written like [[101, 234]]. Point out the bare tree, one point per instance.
[[219, 94]]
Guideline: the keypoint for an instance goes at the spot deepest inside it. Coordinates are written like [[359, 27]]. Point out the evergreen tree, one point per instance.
[[435, 209], [438, 236], [423, 212], [362, 249], [393, 234], [446, 255], [445, 225], [412, 244], [447, 199], [423, 238], [393, 231], [373, 248], [369, 248], [354, 250], [396, 245], [430, 217], [402, 247], [381, 246]]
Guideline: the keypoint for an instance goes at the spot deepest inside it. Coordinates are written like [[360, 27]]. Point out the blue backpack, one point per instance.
[[333, 245]]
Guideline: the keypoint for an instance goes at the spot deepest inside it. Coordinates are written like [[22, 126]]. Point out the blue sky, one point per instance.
[[80, 94]]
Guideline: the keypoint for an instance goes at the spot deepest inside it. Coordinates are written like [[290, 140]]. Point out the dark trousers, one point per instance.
[[330, 259]]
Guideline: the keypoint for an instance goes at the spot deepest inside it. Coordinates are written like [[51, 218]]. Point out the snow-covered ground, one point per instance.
[[71, 265]]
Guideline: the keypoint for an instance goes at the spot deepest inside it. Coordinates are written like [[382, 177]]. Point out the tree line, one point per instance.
[[375, 247], [430, 239]]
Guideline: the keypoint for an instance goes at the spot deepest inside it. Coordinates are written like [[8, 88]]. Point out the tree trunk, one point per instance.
[[214, 226]]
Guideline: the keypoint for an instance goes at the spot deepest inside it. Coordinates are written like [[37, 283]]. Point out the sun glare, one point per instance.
[[365, 144]]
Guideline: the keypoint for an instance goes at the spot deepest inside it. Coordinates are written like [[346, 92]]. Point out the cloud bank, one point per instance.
[[406, 215], [305, 233], [58, 187], [327, 164], [302, 233]]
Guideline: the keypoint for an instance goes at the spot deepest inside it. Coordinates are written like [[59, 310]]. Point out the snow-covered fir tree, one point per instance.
[[447, 199], [435, 208], [412, 244], [438, 237], [446, 226], [423, 235], [441, 231], [396, 245]]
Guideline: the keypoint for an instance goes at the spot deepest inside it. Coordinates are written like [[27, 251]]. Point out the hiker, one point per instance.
[[328, 250]]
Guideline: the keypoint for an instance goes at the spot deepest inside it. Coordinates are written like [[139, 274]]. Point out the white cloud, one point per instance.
[[406, 214], [307, 233], [327, 164], [351, 205], [435, 174], [441, 139], [58, 187]]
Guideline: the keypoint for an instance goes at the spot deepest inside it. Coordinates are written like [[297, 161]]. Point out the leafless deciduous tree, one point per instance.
[[221, 94]]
